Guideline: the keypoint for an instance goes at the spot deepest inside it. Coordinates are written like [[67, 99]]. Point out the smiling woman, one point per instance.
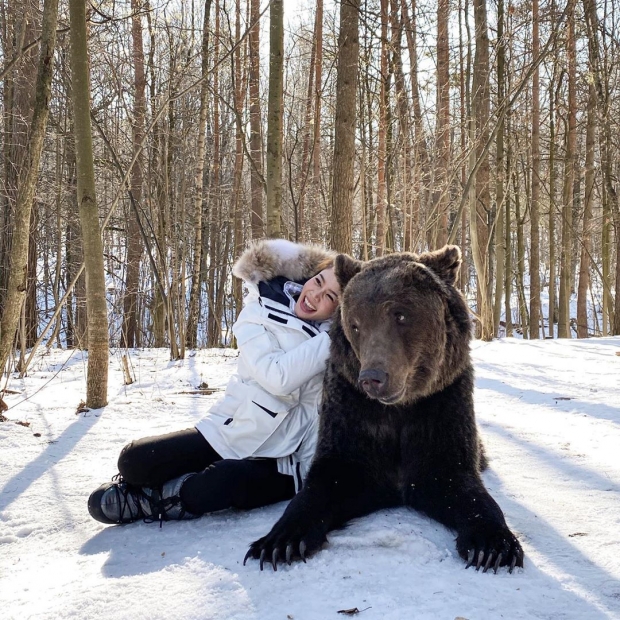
[[319, 297]]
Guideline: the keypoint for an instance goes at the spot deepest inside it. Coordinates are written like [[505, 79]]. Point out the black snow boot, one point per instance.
[[120, 502]]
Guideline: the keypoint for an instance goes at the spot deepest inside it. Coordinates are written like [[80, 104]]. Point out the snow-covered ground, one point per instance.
[[549, 413]]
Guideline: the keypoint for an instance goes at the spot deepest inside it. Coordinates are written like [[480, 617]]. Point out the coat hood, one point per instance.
[[269, 258]]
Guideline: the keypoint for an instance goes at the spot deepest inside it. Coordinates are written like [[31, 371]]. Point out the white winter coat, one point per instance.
[[270, 408]]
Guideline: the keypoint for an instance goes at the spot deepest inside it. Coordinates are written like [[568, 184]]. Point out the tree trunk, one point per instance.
[[610, 194], [442, 126], [500, 247], [98, 362], [191, 335], [535, 314], [569, 177], [344, 139], [31, 318], [519, 221], [508, 236], [552, 208], [18, 257], [586, 236], [481, 199], [238, 204], [129, 332], [315, 189], [404, 145], [18, 92], [382, 135], [256, 141], [214, 327], [421, 170], [274, 118], [302, 218]]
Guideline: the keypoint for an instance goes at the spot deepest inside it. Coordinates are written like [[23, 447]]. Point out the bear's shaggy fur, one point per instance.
[[397, 418]]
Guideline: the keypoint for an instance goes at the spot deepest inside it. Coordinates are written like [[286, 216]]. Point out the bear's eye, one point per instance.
[[400, 317], [355, 329]]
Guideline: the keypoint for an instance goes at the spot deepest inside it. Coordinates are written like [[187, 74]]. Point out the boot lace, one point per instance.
[[158, 505], [123, 490]]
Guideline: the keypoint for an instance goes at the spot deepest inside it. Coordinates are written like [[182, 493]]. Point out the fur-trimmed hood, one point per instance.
[[269, 258]]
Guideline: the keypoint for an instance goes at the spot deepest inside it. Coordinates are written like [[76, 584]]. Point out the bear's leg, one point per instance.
[[460, 501], [334, 492]]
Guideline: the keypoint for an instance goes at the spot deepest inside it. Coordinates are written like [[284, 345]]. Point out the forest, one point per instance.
[[145, 143]]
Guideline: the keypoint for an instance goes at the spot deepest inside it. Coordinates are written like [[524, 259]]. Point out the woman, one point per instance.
[[255, 445]]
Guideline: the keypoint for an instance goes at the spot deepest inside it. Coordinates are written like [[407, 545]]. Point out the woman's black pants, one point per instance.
[[218, 483]]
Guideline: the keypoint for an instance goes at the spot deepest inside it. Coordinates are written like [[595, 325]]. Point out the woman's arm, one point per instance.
[[277, 371]]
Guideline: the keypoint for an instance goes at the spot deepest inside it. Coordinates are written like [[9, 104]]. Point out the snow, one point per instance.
[[549, 414]]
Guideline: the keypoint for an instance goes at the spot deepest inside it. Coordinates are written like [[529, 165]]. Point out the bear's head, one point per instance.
[[407, 325]]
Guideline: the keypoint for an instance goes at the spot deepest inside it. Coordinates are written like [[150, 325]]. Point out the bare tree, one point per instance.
[[500, 188], [442, 126], [194, 296], [129, 335], [256, 142], [18, 257], [568, 185], [535, 313], [344, 127], [586, 235], [610, 193], [97, 374], [480, 196], [382, 190], [274, 118]]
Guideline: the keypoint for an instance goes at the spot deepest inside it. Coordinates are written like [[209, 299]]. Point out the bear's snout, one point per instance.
[[373, 381]]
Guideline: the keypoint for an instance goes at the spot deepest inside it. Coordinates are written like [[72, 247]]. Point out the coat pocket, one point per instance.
[[256, 418]]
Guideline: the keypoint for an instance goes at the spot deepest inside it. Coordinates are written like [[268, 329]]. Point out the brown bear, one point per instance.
[[397, 423]]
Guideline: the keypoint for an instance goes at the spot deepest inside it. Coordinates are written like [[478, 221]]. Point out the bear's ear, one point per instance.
[[345, 268], [445, 262]]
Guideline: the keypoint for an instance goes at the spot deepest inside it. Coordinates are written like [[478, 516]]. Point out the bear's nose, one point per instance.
[[373, 381]]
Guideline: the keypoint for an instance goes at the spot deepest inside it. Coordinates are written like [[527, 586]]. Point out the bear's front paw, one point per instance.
[[490, 545], [285, 544]]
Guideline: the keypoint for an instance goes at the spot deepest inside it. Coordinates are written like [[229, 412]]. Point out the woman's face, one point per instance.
[[319, 297]]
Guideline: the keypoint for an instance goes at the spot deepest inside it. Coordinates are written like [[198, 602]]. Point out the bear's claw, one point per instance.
[[485, 547], [274, 549], [493, 560]]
